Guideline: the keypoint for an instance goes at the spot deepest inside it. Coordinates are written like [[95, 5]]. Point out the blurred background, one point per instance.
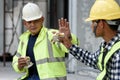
[[75, 11]]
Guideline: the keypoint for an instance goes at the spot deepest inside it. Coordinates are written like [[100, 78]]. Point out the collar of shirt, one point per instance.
[[111, 42]]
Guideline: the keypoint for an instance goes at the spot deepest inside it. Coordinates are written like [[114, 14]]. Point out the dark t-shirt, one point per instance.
[[30, 53]]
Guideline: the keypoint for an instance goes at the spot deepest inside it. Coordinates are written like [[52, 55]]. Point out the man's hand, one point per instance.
[[22, 62], [64, 28]]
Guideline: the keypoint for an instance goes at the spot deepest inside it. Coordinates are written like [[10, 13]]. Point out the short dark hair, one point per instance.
[[114, 27]]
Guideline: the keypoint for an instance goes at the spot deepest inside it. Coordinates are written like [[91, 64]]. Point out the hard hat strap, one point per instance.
[[113, 22]]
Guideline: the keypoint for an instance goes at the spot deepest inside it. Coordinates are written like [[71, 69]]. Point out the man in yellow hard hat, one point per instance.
[[105, 17], [37, 56]]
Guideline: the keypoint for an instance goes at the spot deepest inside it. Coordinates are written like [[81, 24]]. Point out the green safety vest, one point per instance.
[[114, 48], [49, 57]]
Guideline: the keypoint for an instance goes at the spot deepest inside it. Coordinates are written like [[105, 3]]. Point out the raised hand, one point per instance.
[[64, 28]]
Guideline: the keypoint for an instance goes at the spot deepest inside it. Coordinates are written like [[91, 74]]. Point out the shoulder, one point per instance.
[[24, 35]]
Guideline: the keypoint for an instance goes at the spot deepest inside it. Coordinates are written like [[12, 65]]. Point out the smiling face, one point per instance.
[[34, 26]]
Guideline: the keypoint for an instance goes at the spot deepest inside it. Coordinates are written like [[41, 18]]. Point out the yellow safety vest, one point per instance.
[[49, 57], [114, 48]]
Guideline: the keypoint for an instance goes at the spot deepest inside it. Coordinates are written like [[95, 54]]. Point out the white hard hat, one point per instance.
[[31, 12]]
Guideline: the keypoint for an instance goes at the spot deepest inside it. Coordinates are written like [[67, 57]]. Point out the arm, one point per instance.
[[84, 56], [64, 32], [18, 62]]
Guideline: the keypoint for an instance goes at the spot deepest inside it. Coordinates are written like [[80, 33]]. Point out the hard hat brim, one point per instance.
[[88, 19], [31, 19]]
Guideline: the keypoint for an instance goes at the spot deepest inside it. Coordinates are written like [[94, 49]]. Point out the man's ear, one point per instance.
[[24, 22], [42, 19], [101, 24]]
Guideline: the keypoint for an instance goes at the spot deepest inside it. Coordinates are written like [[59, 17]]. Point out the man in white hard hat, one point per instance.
[[105, 17], [37, 56]]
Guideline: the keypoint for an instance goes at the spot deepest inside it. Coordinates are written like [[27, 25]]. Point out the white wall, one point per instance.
[[1, 27]]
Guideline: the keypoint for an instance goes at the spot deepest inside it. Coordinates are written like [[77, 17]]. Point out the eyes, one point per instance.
[[95, 22], [34, 21]]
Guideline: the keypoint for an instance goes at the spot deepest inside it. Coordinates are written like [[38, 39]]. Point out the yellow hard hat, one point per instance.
[[104, 9]]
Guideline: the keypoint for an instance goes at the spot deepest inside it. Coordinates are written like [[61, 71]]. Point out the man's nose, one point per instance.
[[32, 23]]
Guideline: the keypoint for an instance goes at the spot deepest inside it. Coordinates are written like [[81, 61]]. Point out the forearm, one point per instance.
[[84, 56]]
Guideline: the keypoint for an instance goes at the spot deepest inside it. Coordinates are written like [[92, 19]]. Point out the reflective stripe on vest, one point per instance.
[[51, 59], [114, 48], [41, 61], [56, 78], [18, 54]]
